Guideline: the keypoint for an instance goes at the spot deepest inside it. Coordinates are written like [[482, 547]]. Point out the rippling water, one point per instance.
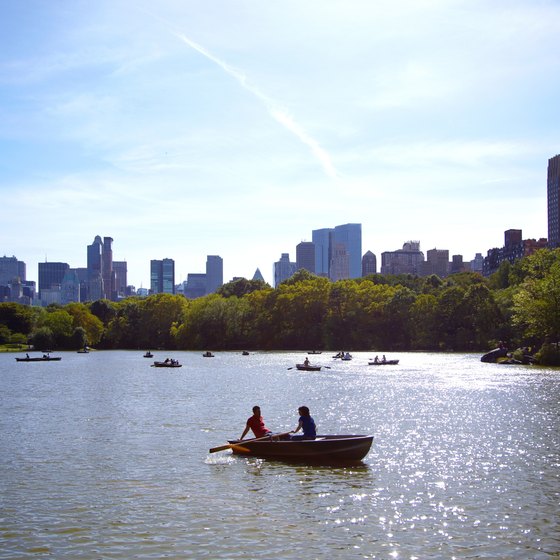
[[102, 456]]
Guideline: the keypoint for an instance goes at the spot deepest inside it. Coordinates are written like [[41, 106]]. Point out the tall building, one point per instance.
[[283, 269], [195, 285], [339, 268], [369, 264], [51, 275], [437, 262], [407, 260], [321, 239], [350, 235], [120, 271], [10, 270], [515, 247], [94, 286], [305, 256], [162, 276], [553, 199], [70, 287], [214, 273], [107, 269], [333, 246]]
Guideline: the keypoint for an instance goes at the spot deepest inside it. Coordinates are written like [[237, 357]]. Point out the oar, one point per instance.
[[239, 445]]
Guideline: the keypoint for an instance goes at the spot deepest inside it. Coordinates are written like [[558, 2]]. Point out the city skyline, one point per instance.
[[184, 130]]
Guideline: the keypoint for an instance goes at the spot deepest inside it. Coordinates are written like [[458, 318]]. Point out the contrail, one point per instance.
[[274, 110]]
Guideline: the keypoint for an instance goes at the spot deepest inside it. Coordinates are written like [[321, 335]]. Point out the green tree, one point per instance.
[[536, 306]]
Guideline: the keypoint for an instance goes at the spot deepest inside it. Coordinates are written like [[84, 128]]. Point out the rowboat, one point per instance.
[[303, 367], [207, 355], [44, 358], [385, 363], [167, 363], [324, 448]]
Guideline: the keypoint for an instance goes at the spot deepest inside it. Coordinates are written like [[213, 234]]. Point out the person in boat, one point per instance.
[[256, 424], [27, 356], [306, 423], [306, 362], [376, 360], [384, 359]]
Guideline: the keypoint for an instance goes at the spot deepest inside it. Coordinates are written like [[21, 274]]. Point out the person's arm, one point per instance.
[[297, 429], [244, 431]]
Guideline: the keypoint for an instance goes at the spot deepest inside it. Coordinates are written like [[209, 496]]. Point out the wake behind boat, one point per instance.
[[324, 448]]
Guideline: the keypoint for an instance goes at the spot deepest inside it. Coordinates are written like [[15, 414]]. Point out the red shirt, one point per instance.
[[258, 427]]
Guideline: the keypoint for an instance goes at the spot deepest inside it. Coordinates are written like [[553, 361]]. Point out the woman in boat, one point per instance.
[[306, 423], [256, 423]]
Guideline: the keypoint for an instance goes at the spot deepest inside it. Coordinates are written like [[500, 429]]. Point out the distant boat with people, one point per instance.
[[167, 363]]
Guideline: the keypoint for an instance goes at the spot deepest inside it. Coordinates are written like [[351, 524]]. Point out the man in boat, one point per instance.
[[306, 423], [306, 362], [256, 423]]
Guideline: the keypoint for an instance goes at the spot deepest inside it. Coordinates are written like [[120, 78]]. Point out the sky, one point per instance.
[[185, 128]]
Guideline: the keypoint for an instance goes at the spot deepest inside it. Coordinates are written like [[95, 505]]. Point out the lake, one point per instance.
[[105, 457]]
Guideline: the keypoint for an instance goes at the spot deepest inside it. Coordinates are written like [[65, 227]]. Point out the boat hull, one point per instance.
[[387, 363], [57, 359], [303, 367], [325, 448], [163, 364]]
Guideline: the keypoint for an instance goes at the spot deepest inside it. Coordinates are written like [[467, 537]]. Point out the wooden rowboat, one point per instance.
[[324, 448], [303, 367], [41, 359], [385, 363]]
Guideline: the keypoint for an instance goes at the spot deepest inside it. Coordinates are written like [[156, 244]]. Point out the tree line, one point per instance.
[[519, 304]]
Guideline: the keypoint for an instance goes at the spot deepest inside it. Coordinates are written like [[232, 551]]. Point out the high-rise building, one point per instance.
[[305, 256], [369, 264], [328, 250], [107, 269], [94, 286], [350, 235], [162, 276], [553, 199], [283, 269], [51, 275], [70, 287], [407, 260], [121, 278], [321, 238], [214, 273], [437, 262], [195, 286], [339, 268], [10, 270]]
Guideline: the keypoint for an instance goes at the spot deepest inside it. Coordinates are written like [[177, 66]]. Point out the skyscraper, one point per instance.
[[305, 256], [350, 235], [162, 276], [94, 287], [369, 264], [322, 241], [214, 273], [107, 268], [51, 275], [283, 269], [334, 246], [553, 199]]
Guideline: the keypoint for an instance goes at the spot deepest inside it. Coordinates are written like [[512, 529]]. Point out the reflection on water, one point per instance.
[[105, 457]]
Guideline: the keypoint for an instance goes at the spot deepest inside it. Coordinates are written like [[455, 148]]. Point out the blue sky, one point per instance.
[[186, 128]]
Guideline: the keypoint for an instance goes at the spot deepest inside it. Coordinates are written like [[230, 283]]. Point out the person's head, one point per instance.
[[257, 410], [303, 411]]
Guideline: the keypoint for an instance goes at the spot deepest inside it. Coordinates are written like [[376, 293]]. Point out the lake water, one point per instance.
[[105, 457]]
